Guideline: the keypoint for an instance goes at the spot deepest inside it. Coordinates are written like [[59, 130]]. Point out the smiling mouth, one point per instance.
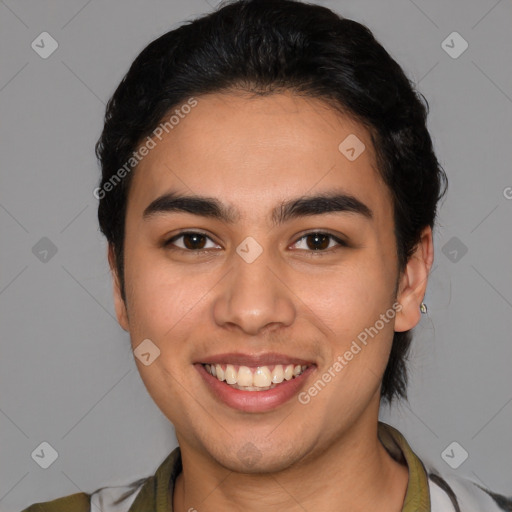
[[259, 378]]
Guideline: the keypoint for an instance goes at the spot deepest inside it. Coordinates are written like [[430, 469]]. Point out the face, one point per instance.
[[249, 280]]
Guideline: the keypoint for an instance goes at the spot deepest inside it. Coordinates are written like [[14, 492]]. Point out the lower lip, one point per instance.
[[254, 401]]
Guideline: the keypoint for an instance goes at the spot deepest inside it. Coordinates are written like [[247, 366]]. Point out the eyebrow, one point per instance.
[[328, 202]]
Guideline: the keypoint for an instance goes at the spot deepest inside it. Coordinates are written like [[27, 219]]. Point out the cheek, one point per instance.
[[360, 340], [163, 300], [351, 298]]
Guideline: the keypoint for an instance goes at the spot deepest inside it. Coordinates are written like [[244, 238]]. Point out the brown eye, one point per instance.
[[191, 241], [317, 241], [194, 241], [320, 242]]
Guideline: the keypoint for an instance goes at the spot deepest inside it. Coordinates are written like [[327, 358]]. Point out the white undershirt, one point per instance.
[[439, 500]]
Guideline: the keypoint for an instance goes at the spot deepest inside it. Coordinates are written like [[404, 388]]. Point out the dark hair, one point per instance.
[[267, 46]]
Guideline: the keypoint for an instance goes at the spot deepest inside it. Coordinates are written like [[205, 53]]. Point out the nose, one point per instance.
[[254, 297]]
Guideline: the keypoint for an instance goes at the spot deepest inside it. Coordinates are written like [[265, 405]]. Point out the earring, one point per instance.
[[423, 308]]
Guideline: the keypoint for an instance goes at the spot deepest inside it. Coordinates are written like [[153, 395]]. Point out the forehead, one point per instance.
[[252, 151]]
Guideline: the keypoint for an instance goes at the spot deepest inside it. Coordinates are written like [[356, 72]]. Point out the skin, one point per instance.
[[252, 153]]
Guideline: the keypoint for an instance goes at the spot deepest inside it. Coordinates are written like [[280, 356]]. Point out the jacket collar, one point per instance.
[[417, 495]]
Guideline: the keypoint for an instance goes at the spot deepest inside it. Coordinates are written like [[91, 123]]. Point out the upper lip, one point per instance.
[[266, 359]]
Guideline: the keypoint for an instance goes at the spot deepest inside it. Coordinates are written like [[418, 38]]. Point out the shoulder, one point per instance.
[[123, 498], [106, 499], [461, 494], [79, 502], [448, 492]]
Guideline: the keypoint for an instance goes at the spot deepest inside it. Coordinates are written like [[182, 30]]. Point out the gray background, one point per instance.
[[67, 371]]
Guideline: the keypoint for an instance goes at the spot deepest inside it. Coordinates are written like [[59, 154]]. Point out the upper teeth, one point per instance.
[[259, 377]]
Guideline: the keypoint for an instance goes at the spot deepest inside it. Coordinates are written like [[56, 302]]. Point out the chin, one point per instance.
[[252, 456]]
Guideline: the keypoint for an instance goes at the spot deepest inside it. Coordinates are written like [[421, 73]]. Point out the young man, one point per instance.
[[268, 193]]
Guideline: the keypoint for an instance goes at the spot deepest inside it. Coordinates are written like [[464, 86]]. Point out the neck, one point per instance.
[[353, 473]]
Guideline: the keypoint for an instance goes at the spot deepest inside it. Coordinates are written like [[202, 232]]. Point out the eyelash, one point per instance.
[[168, 244]]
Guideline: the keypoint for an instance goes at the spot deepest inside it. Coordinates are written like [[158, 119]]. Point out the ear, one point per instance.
[[413, 283], [120, 306]]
